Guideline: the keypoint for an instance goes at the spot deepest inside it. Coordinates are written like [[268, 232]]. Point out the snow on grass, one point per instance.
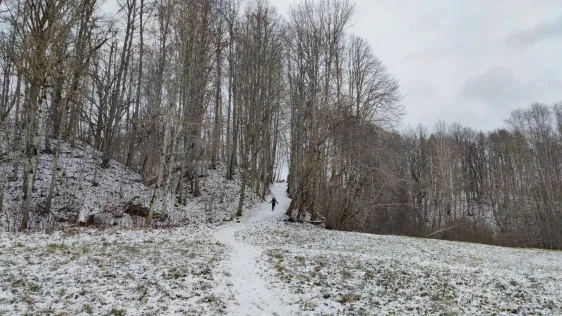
[[260, 265], [330, 272], [126, 272]]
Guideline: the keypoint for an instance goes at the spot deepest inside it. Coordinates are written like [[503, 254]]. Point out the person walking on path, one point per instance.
[[273, 202]]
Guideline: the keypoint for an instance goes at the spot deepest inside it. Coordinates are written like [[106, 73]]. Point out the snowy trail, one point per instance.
[[252, 295]]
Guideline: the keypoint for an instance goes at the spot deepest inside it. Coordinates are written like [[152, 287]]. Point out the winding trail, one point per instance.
[[252, 294]]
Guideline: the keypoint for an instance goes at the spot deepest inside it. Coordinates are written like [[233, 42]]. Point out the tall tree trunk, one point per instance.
[[34, 132], [217, 119], [132, 138], [156, 193]]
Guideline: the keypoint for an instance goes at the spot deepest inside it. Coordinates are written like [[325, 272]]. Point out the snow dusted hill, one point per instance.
[[262, 265], [76, 190]]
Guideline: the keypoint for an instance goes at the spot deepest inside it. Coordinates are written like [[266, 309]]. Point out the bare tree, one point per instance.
[[259, 63], [117, 93], [338, 89]]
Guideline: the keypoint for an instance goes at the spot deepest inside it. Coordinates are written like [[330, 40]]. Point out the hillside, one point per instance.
[[265, 266], [82, 186]]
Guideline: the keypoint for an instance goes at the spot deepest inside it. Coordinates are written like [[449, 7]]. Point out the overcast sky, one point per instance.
[[470, 62]]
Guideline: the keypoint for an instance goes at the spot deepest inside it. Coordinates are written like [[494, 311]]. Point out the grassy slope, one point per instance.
[[109, 273], [329, 272]]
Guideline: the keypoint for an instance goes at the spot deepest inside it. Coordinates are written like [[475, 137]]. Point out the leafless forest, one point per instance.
[[172, 88]]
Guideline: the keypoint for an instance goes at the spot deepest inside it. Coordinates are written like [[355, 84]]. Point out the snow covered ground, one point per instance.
[[120, 272], [261, 265], [326, 272], [192, 270], [76, 190], [249, 290]]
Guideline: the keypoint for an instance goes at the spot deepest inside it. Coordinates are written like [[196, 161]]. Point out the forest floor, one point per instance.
[[82, 186], [261, 265]]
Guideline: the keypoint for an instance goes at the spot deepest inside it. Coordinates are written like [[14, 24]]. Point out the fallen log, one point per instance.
[[441, 230], [316, 222], [143, 211]]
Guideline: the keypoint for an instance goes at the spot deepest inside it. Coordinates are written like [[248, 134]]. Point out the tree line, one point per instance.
[[501, 187], [171, 88]]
